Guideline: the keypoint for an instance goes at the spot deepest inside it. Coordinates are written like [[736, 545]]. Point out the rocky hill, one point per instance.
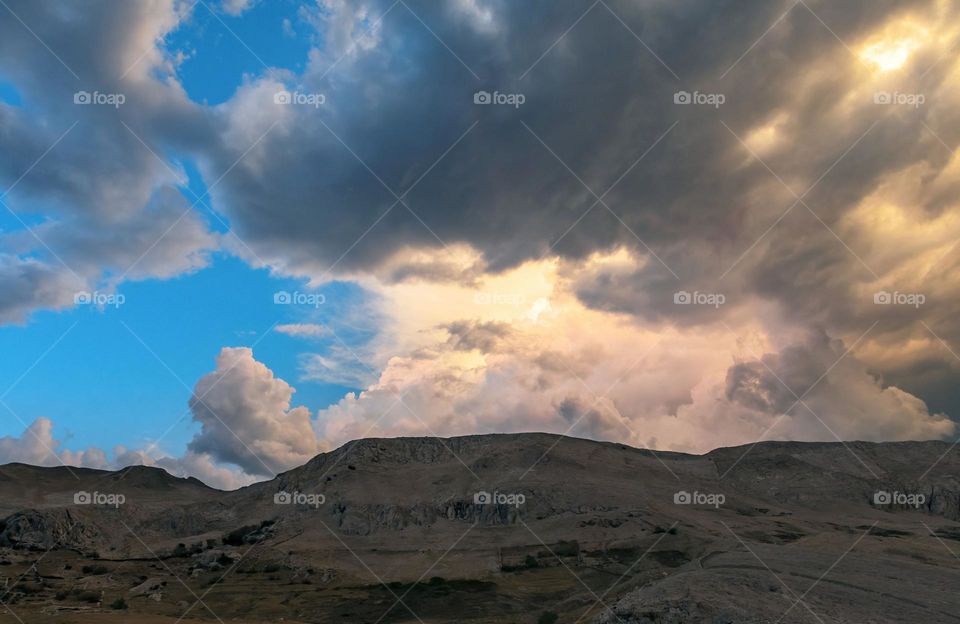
[[511, 528]]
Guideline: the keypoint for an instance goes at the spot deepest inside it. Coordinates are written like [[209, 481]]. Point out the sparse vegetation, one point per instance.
[[548, 617], [94, 570]]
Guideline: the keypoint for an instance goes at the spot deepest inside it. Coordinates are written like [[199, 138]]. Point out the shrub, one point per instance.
[[119, 603], [94, 569], [548, 617]]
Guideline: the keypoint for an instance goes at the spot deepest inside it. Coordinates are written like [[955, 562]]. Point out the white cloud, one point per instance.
[[303, 330], [246, 418]]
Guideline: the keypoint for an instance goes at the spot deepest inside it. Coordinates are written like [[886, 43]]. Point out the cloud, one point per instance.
[[248, 431], [507, 285], [237, 7], [303, 330], [246, 418], [37, 446], [592, 373], [93, 202]]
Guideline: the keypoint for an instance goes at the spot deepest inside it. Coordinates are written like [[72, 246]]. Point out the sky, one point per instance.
[[238, 233]]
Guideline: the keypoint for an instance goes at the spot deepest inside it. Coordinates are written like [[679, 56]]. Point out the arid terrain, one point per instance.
[[571, 530]]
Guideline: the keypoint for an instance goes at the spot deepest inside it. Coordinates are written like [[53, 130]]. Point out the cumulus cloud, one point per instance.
[[533, 263], [588, 372], [246, 418], [248, 431]]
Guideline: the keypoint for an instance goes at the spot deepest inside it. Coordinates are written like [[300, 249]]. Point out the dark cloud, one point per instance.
[[314, 190]]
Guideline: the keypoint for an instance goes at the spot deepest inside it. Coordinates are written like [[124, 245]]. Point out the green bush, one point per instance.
[[548, 617], [119, 603]]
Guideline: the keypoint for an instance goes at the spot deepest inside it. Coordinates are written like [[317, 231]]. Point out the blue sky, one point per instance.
[[506, 263], [100, 384]]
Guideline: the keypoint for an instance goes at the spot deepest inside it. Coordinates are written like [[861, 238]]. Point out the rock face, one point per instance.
[[735, 535]]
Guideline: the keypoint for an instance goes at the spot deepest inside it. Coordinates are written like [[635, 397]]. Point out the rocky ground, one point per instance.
[[570, 531]]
